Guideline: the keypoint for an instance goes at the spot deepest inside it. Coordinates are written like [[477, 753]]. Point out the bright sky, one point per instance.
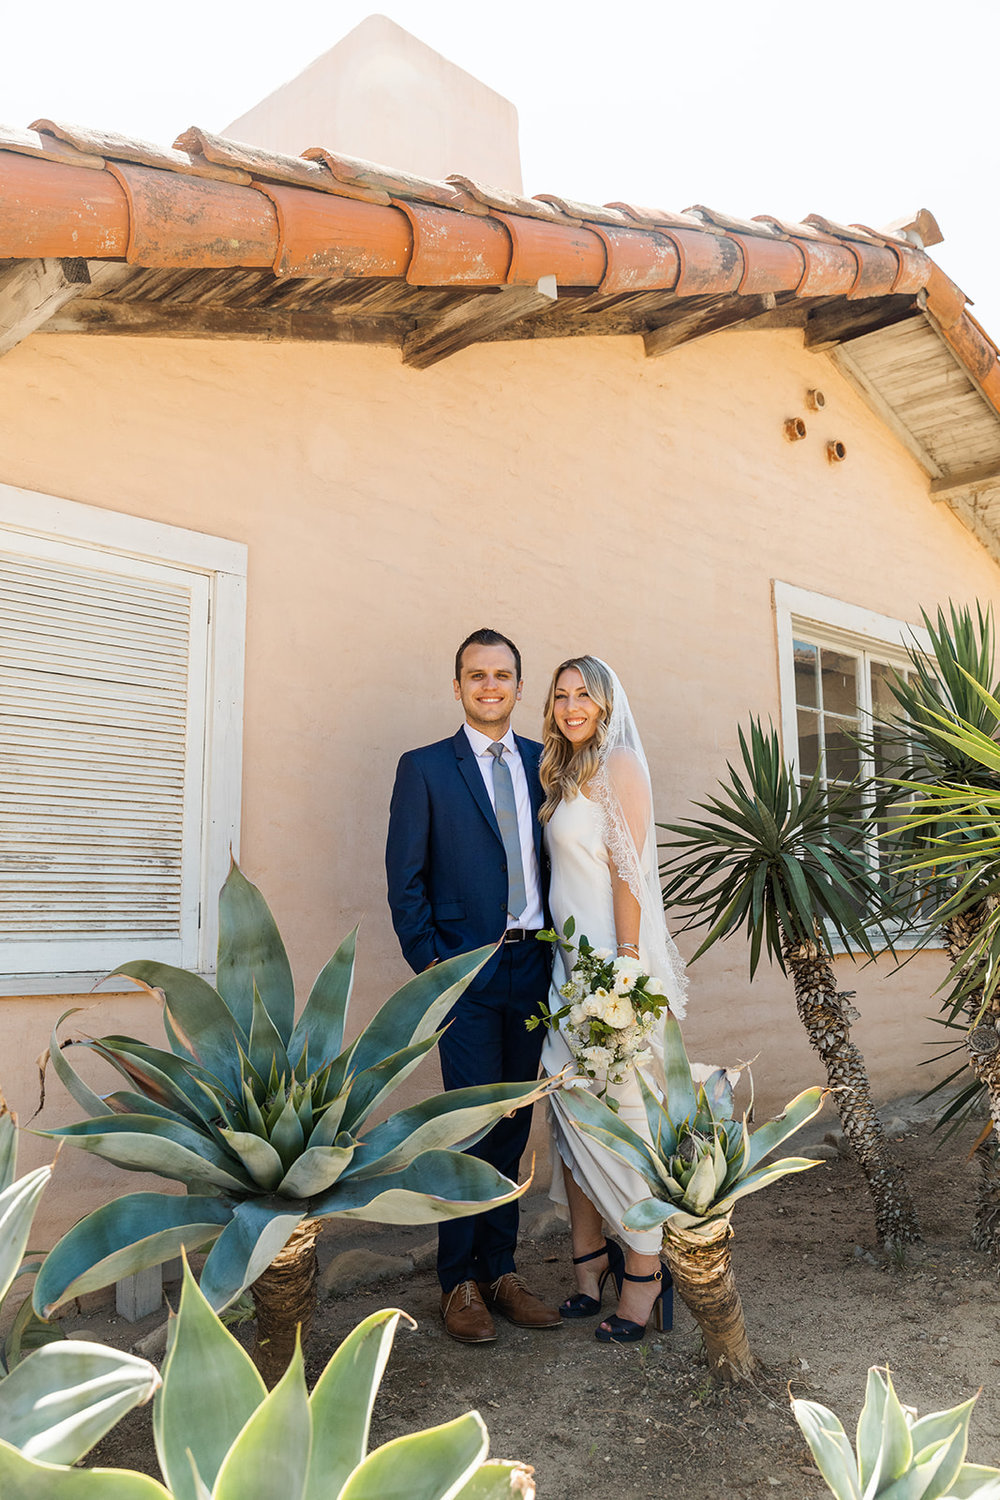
[[861, 110]]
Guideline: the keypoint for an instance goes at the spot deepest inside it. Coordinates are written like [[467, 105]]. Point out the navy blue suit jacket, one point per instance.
[[444, 857]]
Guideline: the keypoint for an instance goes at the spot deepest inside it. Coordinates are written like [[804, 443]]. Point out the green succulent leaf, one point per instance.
[[327, 1125], [594, 1118], [699, 1195], [180, 1085], [830, 1447], [201, 1025], [62, 1399], [494, 1480], [70, 1079], [258, 1156], [24, 1478], [650, 1213], [251, 951], [322, 1021], [454, 1120], [774, 1133], [317, 1169], [257, 1230], [680, 1098], [762, 1178], [128, 1235], [437, 1185], [885, 1448], [186, 1426], [939, 1426], [287, 1135], [662, 1131], [8, 1149], [341, 1403], [275, 1441], [267, 1047], [428, 1465], [370, 1087], [145, 1143], [18, 1202], [976, 1482], [412, 1014]]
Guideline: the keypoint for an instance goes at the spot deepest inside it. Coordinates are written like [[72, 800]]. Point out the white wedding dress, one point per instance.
[[581, 888]]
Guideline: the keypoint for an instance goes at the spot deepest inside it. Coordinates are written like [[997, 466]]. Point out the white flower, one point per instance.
[[623, 983], [626, 965], [577, 1015], [601, 954], [654, 986], [619, 1012], [597, 1057], [594, 1005]]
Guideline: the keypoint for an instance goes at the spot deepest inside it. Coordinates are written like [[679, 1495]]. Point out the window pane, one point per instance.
[[840, 682], [841, 752], [808, 741], [806, 659], [884, 705]]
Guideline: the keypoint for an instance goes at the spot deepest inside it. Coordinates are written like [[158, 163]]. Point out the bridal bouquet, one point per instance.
[[611, 1009]]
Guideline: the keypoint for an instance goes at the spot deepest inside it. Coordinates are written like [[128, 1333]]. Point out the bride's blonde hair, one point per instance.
[[565, 768]]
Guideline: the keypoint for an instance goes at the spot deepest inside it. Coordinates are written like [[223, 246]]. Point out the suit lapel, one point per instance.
[[469, 768]]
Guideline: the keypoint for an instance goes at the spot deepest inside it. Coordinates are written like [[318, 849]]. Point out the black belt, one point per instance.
[[520, 934]]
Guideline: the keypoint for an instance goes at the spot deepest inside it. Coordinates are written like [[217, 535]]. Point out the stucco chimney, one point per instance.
[[383, 95]]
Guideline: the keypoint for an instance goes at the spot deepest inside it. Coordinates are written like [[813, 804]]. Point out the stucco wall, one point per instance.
[[575, 496]]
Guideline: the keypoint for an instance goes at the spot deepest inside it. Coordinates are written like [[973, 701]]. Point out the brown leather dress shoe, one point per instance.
[[465, 1315], [509, 1295]]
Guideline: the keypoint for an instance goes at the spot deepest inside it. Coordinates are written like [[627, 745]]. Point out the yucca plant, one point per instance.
[[782, 863], [899, 1456], [264, 1121], [221, 1435], [698, 1163], [58, 1396], [947, 718]]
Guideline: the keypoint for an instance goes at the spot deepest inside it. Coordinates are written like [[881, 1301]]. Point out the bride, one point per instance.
[[598, 819]]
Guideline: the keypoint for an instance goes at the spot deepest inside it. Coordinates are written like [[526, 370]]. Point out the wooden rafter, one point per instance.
[[696, 319], [183, 320], [468, 322], [983, 477], [31, 291]]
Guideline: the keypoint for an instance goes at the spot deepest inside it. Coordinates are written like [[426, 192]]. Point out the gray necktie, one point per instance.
[[506, 811]]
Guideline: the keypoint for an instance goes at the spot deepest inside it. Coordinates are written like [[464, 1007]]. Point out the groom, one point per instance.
[[464, 867]]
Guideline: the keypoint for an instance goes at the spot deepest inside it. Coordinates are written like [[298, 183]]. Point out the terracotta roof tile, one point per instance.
[[68, 191]]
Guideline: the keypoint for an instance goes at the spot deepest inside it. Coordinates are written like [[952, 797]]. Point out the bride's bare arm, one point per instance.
[[630, 790]]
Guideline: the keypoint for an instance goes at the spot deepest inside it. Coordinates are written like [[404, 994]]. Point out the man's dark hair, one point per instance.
[[487, 638]]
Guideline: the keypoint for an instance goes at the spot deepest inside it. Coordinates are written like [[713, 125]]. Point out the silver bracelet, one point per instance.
[[632, 948]]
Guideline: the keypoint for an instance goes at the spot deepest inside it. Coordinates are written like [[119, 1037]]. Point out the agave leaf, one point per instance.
[[661, 1127], [437, 1185], [258, 1229], [186, 1426], [456, 1119], [251, 950], [681, 1098], [81, 1092], [317, 1169], [341, 1403], [17, 1211], [327, 1126], [267, 1047], [829, 1447], [771, 1134], [939, 1425], [62, 1399], [428, 1465], [370, 1087], [28, 1331], [975, 1482], [412, 1014], [128, 1235], [164, 1077], [201, 1025], [8, 1148], [699, 1194], [650, 1213], [762, 1178], [322, 1020], [885, 1446], [495, 1480], [931, 1474], [258, 1156], [287, 1136], [24, 1478], [144, 1143], [274, 1442], [592, 1116]]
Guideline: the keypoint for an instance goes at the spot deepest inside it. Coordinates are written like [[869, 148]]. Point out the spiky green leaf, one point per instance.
[[251, 951], [258, 1228], [62, 1399], [341, 1403]]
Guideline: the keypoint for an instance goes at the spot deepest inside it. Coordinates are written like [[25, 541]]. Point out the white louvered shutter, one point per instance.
[[103, 678]]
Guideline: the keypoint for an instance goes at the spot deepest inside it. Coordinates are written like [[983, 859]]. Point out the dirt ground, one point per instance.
[[635, 1423]]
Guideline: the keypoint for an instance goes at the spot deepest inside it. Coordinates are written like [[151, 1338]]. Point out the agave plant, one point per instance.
[[783, 863], [264, 1120], [221, 1435], [698, 1163], [941, 752], [899, 1456], [57, 1396]]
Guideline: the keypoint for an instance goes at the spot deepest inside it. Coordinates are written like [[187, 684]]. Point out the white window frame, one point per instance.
[[799, 612], [48, 521]]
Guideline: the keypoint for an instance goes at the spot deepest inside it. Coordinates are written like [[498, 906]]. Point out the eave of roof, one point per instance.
[[208, 203]]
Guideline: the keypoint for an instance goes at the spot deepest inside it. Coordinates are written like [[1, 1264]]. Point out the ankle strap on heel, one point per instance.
[[605, 1249], [656, 1276]]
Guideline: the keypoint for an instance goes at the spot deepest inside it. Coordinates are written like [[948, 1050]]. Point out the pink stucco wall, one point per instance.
[[572, 494]]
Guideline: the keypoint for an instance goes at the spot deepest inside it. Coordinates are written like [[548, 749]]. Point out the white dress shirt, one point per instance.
[[532, 917]]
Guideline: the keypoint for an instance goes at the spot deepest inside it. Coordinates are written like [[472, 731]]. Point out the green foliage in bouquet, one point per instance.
[[899, 1456]]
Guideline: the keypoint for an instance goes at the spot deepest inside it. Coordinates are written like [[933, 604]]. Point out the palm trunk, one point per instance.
[[827, 1018], [982, 1043], [703, 1275], [285, 1299]]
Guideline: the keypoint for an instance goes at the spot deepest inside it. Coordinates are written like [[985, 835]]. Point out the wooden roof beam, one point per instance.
[[690, 320], [193, 320], [31, 291], [983, 477], [469, 322]]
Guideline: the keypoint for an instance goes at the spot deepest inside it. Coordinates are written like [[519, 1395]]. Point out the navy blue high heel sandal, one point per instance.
[[624, 1331], [580, 1305]]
